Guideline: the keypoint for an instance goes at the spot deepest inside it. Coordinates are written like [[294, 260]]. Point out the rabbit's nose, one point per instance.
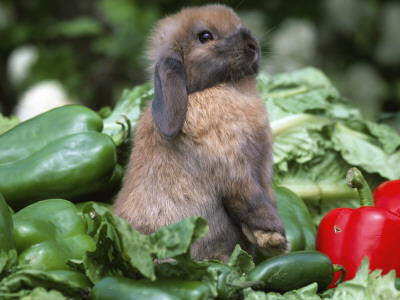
[[252, 45], [249, 39]]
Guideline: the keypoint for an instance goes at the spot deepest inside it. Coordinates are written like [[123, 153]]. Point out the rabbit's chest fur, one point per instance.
[[228, 130]]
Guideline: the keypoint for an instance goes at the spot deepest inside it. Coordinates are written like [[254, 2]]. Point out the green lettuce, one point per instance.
[[365, 285], [128, 107], [121, 121], [123, 251], [318, 135], [306, 293], [22, 282]]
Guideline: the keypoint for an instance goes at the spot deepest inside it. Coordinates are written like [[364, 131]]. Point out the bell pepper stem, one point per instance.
[[355, 179], [339, 268]]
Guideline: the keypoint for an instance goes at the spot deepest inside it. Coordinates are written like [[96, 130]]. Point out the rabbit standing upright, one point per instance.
[[204, 146]]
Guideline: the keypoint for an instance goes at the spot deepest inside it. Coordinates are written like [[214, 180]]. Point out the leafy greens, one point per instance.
[[318, 135]]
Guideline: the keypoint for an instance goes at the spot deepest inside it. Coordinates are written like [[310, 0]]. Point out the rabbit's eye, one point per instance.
[[205, 37]]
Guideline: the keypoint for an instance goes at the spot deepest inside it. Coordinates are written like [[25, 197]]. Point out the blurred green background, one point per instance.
[[88, 51]]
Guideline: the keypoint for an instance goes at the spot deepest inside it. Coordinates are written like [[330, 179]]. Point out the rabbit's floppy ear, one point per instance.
[[170, 100]]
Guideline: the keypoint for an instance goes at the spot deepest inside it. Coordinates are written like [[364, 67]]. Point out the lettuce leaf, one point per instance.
[[365, 285], [121, 122], [41, 293], [130, 105], [367, 151], [123, 251], [308, 292], [21, 282], [176, 239], [241, 261], [318, 135]]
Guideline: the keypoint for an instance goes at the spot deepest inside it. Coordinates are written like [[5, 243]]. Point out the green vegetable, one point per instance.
[[121, 122], [295, 270], [23, 282], [6, 123], [60, 153], [311, 124], [7, 241], [184, 289], [78, 278], [92, 219], [44, 129], [129, 105], [318, 136], [225, 280], [110, 288], [122, 251], [365, 285], [48, 233], [309, 292], [299, 226], [228, 281]]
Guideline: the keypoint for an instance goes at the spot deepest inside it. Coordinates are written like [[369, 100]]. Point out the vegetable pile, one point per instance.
[[318, 136], [60, 240]]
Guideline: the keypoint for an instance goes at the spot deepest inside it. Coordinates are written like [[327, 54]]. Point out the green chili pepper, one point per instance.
[[7, 241], [111, 288], [299, 226], [48, 233], [60, 153], [295, 270]]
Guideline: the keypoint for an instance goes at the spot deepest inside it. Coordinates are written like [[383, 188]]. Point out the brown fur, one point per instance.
[[216, 160]]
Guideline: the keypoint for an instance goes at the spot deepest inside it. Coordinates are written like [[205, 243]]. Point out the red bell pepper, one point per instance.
[[348, 235], [387, 195]]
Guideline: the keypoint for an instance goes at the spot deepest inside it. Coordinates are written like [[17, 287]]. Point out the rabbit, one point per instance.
[[203, 147]]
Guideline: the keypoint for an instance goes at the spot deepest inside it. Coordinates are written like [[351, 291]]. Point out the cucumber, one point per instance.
[[295, 270]]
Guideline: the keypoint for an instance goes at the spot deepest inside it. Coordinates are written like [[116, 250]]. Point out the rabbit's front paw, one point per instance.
[[269, 243]]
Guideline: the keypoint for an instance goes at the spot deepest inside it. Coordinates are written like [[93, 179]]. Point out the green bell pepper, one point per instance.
[[299, 226], [74, 277], [58, 154], [46, 128], [7, 241], [48, 233]]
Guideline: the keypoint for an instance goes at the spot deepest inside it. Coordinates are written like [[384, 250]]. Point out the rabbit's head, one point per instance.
[[195, 49]]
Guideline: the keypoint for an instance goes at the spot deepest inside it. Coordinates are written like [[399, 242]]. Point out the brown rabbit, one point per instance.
[[204, 147]]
